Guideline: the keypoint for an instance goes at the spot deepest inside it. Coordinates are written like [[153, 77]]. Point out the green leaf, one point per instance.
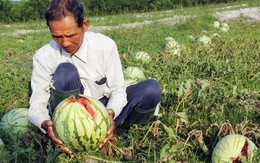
[[164, 151], [182, 116]]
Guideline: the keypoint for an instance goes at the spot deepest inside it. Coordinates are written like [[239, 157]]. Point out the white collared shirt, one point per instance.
[[96, 58]]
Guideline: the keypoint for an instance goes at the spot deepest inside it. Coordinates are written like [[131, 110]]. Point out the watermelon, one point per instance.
[[143, 57], [81, 122], [15, 123], [232, 148], [172, 47], [224, 27], [168, 39], [215, 35], [134, 73], [216, 24], [204, 40]]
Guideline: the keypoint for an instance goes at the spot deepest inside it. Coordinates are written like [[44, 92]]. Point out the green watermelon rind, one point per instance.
[[230, 146], [15, 122], [91, 134]]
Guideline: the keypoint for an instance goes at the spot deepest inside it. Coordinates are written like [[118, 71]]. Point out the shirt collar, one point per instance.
[[80, 53]]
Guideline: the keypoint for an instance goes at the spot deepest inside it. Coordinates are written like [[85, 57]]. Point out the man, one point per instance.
[[76, 61]]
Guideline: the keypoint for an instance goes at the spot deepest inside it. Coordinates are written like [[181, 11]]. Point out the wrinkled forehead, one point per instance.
[[64, 25]]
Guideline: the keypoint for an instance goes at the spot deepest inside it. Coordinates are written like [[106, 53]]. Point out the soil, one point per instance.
[[253, 14]]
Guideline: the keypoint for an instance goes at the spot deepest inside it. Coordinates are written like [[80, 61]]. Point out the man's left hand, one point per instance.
[[110, 132]]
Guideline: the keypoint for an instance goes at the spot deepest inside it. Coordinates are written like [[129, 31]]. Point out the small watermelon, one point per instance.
[[15, 123], [134, 73], [81, 122], [232, 148], [216, 24], [143, 57], [204, 40], [172, 47]]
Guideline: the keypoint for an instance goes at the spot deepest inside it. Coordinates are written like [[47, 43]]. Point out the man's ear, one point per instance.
[[85, 25]]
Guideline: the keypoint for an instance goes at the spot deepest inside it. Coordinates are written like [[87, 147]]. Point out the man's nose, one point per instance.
[[65, 42]]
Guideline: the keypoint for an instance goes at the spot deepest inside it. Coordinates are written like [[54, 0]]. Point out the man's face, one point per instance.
[[67, 33]]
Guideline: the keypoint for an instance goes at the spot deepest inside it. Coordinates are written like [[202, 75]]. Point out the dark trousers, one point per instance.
[[142, 97]]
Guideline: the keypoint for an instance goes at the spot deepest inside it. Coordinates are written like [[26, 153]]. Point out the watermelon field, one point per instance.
[[206, 59]]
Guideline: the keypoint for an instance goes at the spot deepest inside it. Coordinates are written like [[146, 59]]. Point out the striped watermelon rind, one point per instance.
[[78, 130], [15, 123], [231, 146], [134, 73], [143, 56]]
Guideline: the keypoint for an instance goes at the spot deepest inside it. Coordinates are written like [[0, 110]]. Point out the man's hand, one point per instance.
[[110, 132], [47, 125]]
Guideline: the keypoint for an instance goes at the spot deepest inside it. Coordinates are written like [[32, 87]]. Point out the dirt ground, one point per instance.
[[253, 14]]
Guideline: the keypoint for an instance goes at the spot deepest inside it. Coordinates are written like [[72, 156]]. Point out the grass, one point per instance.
[[208, 92]]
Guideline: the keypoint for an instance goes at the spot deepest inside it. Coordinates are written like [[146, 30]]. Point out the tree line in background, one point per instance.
[[26, 10]]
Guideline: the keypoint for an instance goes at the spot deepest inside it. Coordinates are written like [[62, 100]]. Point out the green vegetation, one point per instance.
[[104, 7], [208, 91], [30, 10]]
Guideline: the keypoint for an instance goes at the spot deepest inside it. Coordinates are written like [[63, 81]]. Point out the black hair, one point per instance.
[[57, 9]]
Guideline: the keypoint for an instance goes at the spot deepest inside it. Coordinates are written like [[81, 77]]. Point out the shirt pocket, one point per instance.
[[98, 87]]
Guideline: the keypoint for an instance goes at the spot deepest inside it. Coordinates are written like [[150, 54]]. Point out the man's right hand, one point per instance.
[[47, 125]]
